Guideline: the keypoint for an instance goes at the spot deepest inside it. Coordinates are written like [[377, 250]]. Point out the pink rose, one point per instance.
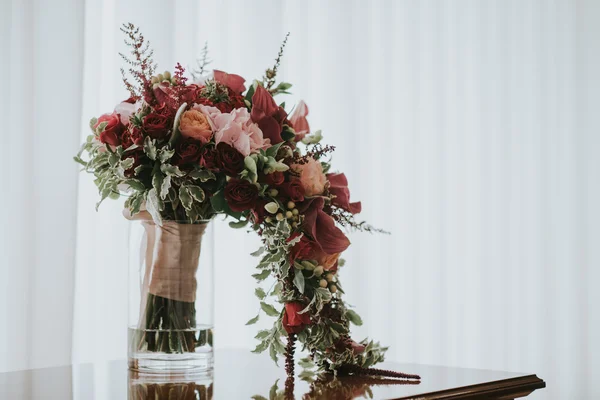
[[312, 177], [232, 81], [299, 121], [237, 130]]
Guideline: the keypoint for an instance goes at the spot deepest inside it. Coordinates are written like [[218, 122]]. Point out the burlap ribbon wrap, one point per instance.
[[171, 255]]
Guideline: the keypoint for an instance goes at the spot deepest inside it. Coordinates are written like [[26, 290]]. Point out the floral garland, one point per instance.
[[189, 151]]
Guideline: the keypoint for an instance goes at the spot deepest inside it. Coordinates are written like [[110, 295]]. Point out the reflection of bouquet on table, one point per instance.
[[183, 152], [171, 389]]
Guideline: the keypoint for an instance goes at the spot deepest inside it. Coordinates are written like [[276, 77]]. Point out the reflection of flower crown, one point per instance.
[[189, 151]]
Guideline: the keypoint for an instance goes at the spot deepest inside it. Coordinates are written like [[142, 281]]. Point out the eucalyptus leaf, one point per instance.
[[299, 280], [253, 320]]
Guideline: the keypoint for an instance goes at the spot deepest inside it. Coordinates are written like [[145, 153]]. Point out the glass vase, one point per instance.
[[171, 297]]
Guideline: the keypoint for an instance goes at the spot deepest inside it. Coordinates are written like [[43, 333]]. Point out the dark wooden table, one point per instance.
[[241, 375]]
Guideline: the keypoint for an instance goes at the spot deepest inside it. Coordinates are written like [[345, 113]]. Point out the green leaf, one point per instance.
[[175, 134], [261, 347], [185, 197], [169, 169], [113, 159], [306, 374], [166, 154], [150, 148], [258, 397], [239, 224], [262, 275], [306, 363], [354, 317], [253, 320], [127, 163], [197, 193], [258, 252], [269, 309], [299, 280], [250, 164], [135, 184], [165, 186], [153, 206], [273, 354], [202, 174], [262, 334], [288, 135], [249, 93], [260, 293], [272, 151], [93, 122], [273, 391]]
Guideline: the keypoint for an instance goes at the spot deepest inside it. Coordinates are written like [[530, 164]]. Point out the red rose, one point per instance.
[[133, 135], [187, 151], [224, 107], [293, 190], [158, 123], [230, 160], [209, 158], [236, 100], [339, 188], [274, 179], [190, 93], [111, 134], [241, 195], [292, 321]]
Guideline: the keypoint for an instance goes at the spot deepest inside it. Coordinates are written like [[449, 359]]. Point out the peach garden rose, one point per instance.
[[195, 125], [312, 178]]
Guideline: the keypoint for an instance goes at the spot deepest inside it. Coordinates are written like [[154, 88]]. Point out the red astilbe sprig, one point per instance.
[[142, 66], [289, 365], [317, 151]]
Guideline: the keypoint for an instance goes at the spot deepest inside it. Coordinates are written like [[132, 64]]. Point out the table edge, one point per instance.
[[521, 386]]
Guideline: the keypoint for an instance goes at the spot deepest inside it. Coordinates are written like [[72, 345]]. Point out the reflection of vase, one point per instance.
[[171, 297], [172, 388]]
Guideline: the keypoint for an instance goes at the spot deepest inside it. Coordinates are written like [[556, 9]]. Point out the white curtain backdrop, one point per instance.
[[468, 128]]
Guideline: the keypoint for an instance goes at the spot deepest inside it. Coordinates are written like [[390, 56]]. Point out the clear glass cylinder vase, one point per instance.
[[171, 297]]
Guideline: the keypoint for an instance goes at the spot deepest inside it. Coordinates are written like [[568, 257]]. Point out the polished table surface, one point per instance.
[[240, 374]]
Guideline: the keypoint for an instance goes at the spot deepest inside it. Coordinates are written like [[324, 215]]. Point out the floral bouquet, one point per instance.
[[184, 152]]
